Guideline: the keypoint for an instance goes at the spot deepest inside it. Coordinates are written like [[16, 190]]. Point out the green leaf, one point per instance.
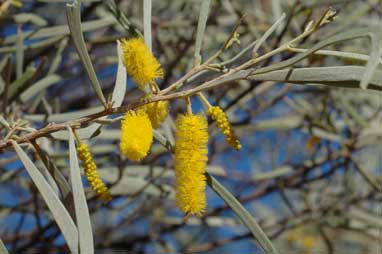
[[74, 23], [59, 212], [81, 208], [243, 214]]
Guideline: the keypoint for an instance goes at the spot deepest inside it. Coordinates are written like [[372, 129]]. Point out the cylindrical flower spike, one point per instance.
[[157, 112], [136, 135], [91, 173], [140, 63], [190, 163], [218, 115]]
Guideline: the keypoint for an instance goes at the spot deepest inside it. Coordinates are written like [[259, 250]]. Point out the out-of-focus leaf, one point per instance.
[[337, 76], [59, 212], [30, 18], [4, 122], [212, 221], [81, 207], [369, 219], [62, 117], [39, 86], [277, 172], [62, 30], [37, 45], [279, 123], [74, 22], [243, 214], [19, 53], [203, 16], [112, 173], [147, 5], [133, 185], [58, 57], [19, 84], [2, 65], [3, 249]]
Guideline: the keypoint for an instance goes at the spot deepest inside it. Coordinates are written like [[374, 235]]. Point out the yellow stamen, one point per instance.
[[140, 63], [91, 173], [190, 163], [136, 135], [157, 112], [218, 115]]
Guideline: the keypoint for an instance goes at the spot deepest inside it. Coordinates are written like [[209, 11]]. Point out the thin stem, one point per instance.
[[204, 100], [189, 106]]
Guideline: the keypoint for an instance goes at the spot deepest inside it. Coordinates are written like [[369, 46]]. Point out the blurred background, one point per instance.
[[309, 170]]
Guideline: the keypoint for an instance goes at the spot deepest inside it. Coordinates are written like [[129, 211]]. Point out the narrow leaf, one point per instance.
[[61, 30], [59, 212], [374, 59], [30, 18], [117, 97], [3, 249], [147, 5], [74, 23], [120, 81], [336, 76], [80, 204], [243, 214], [39, 86], [203, 16], [20, 84], [19, 53]]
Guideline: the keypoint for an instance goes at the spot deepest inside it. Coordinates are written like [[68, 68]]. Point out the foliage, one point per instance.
[[295, 93]]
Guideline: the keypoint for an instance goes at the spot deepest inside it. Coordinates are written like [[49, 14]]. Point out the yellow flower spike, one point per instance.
[[140, 63], [190, 163], [91, 173], [136, 135], [218, 115], [157, 112]]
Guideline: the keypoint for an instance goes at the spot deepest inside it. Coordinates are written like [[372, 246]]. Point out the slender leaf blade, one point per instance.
[[243, 214], [74, 23], [59, 212], [3, 249], [81, 208], [203, 16]]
